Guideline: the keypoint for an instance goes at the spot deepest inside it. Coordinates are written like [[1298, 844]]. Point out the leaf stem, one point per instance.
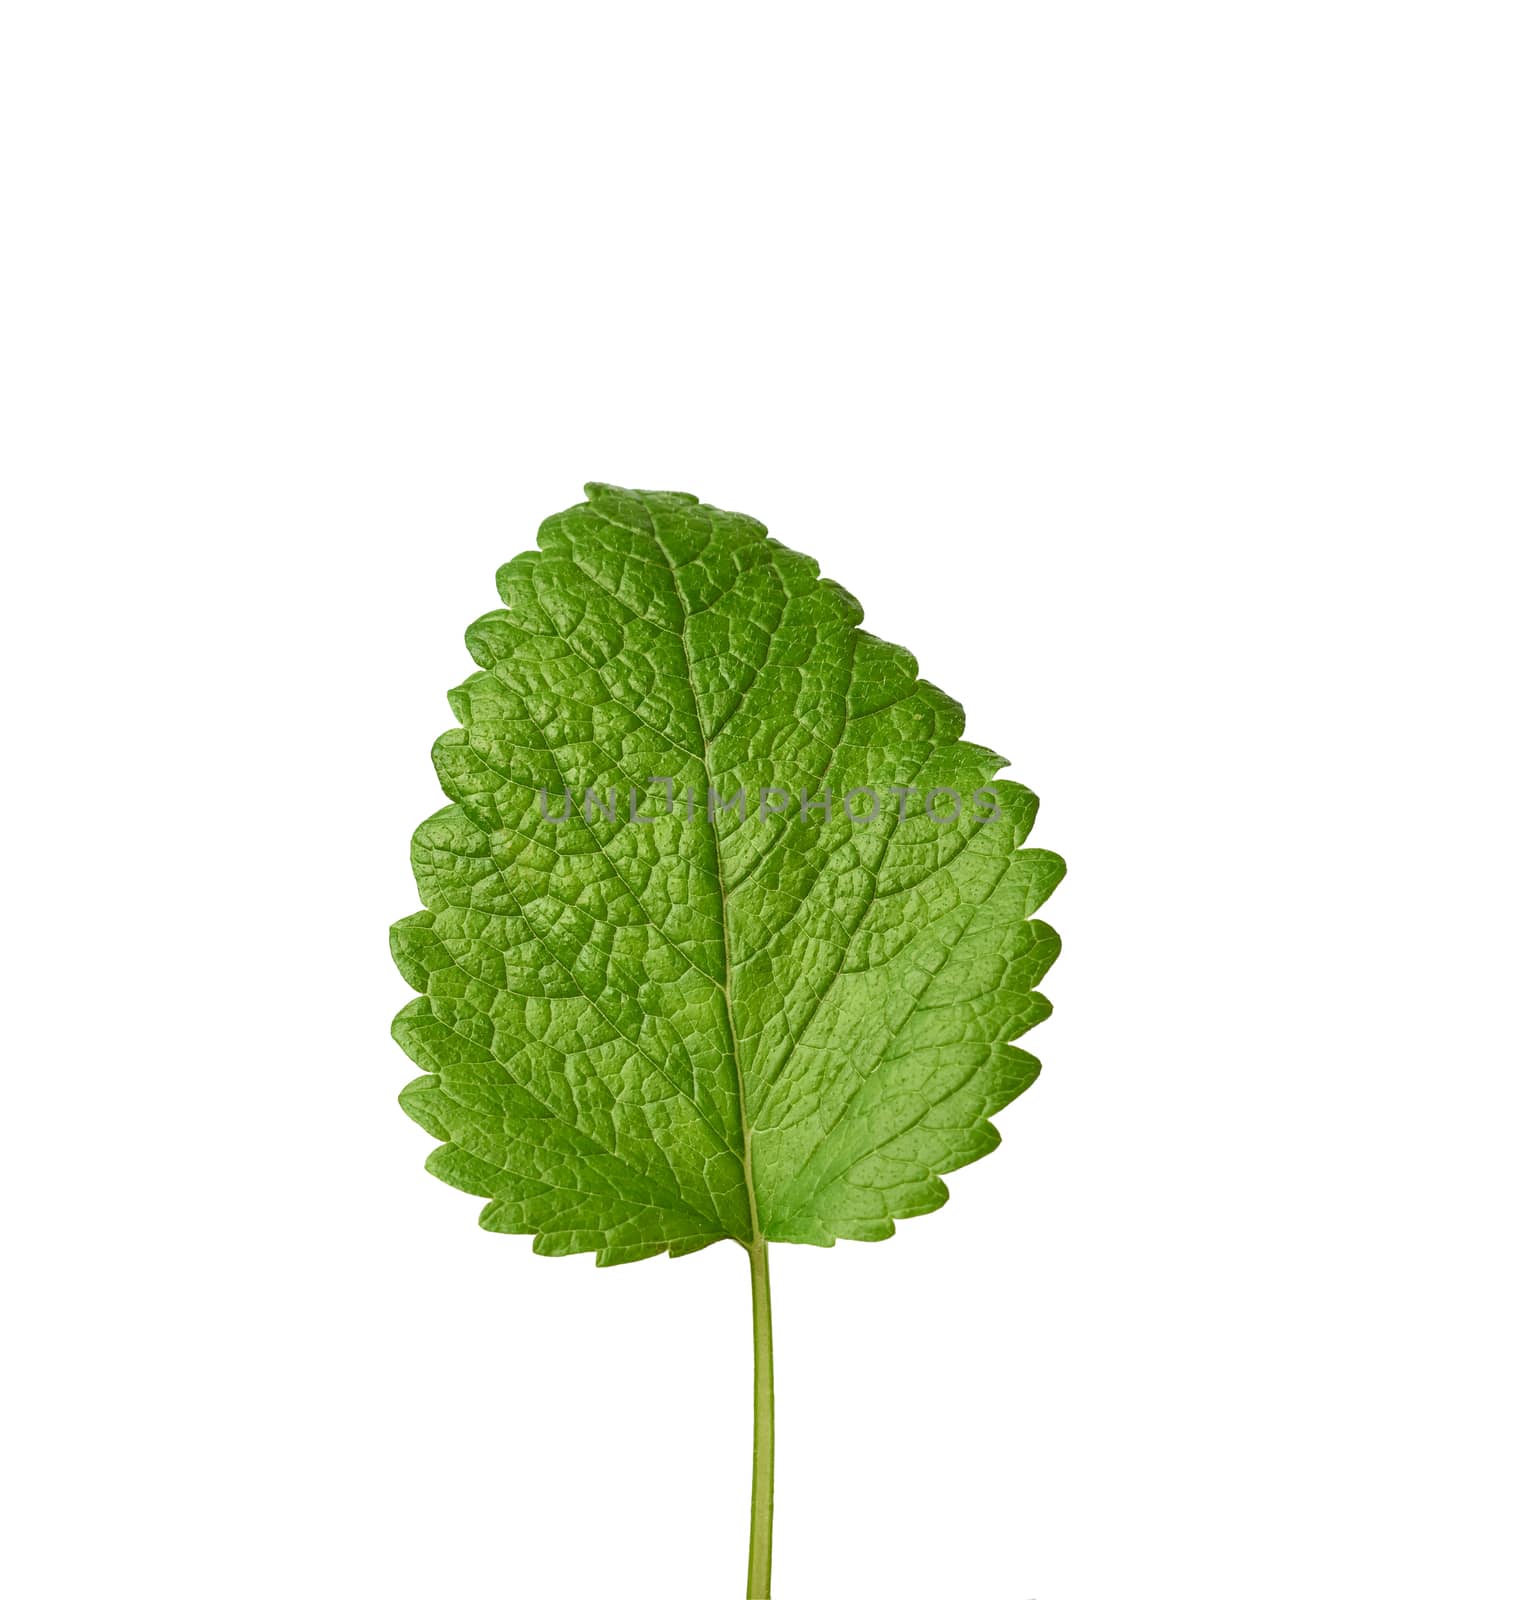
[[758, 1585]]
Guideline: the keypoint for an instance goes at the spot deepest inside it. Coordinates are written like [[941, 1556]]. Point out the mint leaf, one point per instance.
[[754, 972], [763, 1020]]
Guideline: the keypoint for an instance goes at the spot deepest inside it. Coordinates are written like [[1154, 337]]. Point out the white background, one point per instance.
[[1160, 375]]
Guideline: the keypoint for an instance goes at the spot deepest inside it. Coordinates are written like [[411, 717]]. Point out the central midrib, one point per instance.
[[718, 868]]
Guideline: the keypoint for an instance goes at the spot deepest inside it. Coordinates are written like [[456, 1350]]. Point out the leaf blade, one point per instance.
[[744, 1022]]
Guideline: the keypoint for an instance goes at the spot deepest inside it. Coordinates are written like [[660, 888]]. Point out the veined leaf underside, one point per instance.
[[774, 1021]]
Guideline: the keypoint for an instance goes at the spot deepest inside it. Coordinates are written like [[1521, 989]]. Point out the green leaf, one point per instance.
[[761, 1022]]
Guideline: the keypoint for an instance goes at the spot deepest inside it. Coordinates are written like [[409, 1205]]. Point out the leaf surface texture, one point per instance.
[[638, 1037]]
